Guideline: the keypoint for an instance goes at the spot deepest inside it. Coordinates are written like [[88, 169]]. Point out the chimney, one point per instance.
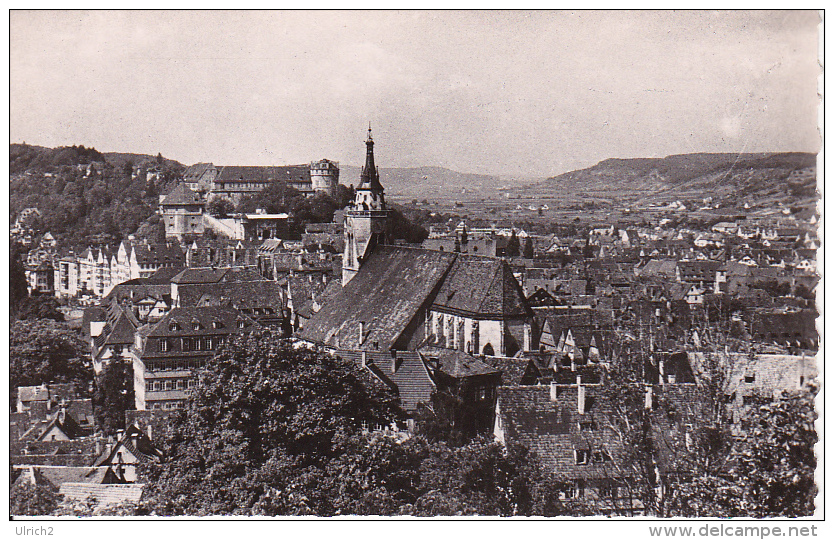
[[649, 402], [364, 359], [395, 363], [661, 366], [361, 332], [580, 395], [150, 432], [119, 434], [528, 338], [554, 392], [98, 446], [134, 439]]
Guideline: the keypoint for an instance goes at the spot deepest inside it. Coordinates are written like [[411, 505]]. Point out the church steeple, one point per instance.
[[370, 174], [365, 219]]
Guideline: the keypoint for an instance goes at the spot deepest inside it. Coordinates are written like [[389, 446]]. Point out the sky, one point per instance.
[[493, 92]]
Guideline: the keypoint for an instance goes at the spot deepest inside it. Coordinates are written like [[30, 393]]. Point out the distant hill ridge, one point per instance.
[[687, 175], [23, 157]]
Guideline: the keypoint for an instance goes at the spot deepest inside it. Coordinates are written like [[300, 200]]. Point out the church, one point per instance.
[[398, 299]]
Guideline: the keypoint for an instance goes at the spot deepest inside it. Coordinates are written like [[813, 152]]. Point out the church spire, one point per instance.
[[370, 174]]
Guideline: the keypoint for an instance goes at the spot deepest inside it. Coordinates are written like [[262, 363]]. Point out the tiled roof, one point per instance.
[[481, 286], [458, 364], [103, 494], [123, 330], [240, 294], [555, 429], [287, 173], [200, 275], [194, 172], [32, 393], [181, 195], [159, 254], [515, 371], [205, 316], [386, 294]]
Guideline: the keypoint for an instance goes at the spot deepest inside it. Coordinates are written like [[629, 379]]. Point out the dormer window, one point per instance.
[[216, 324], [581, 456], [195, 325], [241, 324], [173, 326], [586, 426], [601, 456]]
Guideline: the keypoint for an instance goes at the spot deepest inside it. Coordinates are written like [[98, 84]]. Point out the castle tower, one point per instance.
[[365, 219], [324, 175]]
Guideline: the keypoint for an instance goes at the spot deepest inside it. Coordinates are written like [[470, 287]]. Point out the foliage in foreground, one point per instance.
[[275, 430]]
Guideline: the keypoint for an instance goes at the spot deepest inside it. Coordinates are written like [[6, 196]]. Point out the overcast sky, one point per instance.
[[522, 93]]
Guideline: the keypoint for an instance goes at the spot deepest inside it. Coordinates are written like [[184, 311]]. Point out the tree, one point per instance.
[[221, 207], [263, 416], [18, 286], [45, 351], [26, 499], [776, 461], [399, 227], [39, 306], [113, 396], [513, 245], [529, 253]]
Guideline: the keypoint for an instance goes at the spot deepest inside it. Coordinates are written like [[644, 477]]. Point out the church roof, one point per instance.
[[481, 287], [385, 294]]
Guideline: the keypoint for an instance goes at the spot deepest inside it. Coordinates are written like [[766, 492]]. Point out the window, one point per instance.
[[196, 325], [586, 426], [581, 456], [186, 344], [209, 344], [180, 384], [609, 489], [749, 378], [241, 324], [163, 345], [601, 456]]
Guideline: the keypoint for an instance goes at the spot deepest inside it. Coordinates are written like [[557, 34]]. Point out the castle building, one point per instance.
[[324, 176], [236, 182], [365, 220]]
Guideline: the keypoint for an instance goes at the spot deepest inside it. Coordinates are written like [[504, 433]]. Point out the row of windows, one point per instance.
[[190, 344], [180, 364], [171, 384], [216, 324], [166, 405]]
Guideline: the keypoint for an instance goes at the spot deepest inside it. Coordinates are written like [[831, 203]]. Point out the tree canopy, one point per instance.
[[45, 351], [273, 429]]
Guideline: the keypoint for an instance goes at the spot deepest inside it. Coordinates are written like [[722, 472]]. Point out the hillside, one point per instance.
[[730, 178], [27, 157], [423, 182], [82, 204]]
